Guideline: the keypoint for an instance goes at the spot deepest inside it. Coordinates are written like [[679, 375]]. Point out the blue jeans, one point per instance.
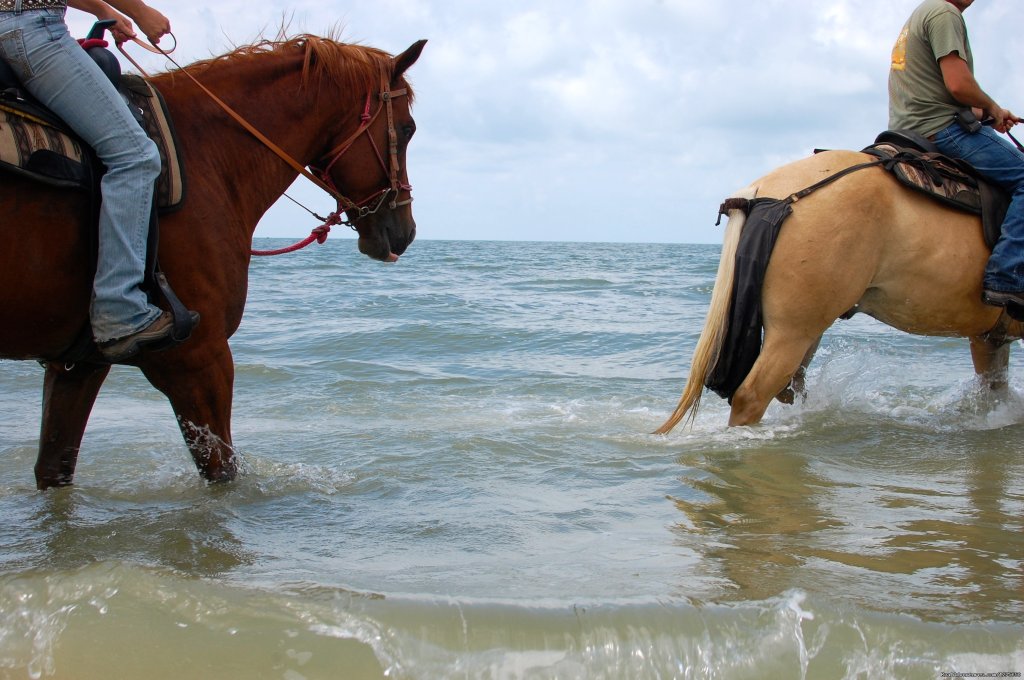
[[1003, 165], [58, 72]]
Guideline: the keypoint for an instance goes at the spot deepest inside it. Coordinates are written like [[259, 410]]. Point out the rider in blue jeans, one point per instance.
[[35, 42], [932, 90]]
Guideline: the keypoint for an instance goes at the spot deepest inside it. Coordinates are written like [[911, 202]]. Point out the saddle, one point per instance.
[[36, 144], [917, 163]]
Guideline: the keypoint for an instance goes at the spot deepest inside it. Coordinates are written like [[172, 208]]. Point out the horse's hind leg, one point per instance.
[[198, 380], [779, 360], [797, 385], [991, 361], [68, 398]]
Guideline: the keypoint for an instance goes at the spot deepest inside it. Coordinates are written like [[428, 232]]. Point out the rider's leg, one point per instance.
[[58, 72], [1004, 166]]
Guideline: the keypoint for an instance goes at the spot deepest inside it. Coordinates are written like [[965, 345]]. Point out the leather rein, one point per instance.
[[319, 173]]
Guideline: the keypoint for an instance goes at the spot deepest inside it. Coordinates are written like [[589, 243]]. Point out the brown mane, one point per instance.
[[351, 66]]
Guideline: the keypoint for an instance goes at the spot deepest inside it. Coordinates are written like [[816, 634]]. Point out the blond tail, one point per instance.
[[709, 346]]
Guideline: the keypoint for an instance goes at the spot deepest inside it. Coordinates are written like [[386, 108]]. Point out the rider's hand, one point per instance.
[[152, 23], [1003, 119], [123, 30]]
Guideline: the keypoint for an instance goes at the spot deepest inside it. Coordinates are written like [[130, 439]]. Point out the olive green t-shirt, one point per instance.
[[918, 98]]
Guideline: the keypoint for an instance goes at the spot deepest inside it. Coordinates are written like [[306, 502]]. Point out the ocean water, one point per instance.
[[447, 472]]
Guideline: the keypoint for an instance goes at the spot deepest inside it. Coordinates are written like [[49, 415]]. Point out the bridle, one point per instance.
[[391, 167], [319, 173]]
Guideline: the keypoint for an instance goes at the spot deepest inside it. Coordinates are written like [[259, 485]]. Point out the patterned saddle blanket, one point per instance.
[[953, 182], [36, 144]]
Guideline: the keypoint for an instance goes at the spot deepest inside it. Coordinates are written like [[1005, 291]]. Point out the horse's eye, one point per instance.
[[409, 131]]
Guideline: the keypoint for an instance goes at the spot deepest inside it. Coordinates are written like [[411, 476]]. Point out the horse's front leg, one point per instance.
[[68, 398], [198, 380], [991, 361]]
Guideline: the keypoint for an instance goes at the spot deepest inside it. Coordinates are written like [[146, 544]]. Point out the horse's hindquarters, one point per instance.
[[868, 241], [864, 241]]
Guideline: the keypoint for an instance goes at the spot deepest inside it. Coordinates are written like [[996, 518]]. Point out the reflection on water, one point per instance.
[[939, 536], [760, 505], [69, 530]]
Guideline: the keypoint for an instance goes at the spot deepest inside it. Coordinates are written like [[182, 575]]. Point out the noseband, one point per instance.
[[391, 167]]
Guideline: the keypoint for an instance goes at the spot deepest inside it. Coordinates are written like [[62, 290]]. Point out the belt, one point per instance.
[[8, 5]]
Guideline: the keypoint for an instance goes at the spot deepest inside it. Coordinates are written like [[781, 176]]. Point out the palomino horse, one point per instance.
[[862, 242], [318, 100]]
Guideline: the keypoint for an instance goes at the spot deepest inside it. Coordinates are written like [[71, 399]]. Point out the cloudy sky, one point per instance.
[[608, 120]]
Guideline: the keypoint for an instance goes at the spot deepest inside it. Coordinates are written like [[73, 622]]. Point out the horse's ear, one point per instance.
[[406, 59]]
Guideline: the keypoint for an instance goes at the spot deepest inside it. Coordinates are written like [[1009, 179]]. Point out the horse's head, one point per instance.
[[368, 166]]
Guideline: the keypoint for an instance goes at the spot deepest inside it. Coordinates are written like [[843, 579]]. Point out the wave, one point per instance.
[[89, 623]]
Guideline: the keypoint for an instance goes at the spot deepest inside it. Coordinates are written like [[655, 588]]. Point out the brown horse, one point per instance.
[[863, 242], [306, 94]]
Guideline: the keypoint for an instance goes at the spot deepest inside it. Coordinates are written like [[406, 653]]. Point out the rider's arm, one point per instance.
[[965, 89], [122, 30], [151, 22]]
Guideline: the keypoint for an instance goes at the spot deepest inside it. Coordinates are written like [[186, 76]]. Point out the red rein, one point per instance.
[[319, 234]]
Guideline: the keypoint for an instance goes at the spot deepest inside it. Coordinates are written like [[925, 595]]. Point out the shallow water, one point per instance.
[[447, 473]]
